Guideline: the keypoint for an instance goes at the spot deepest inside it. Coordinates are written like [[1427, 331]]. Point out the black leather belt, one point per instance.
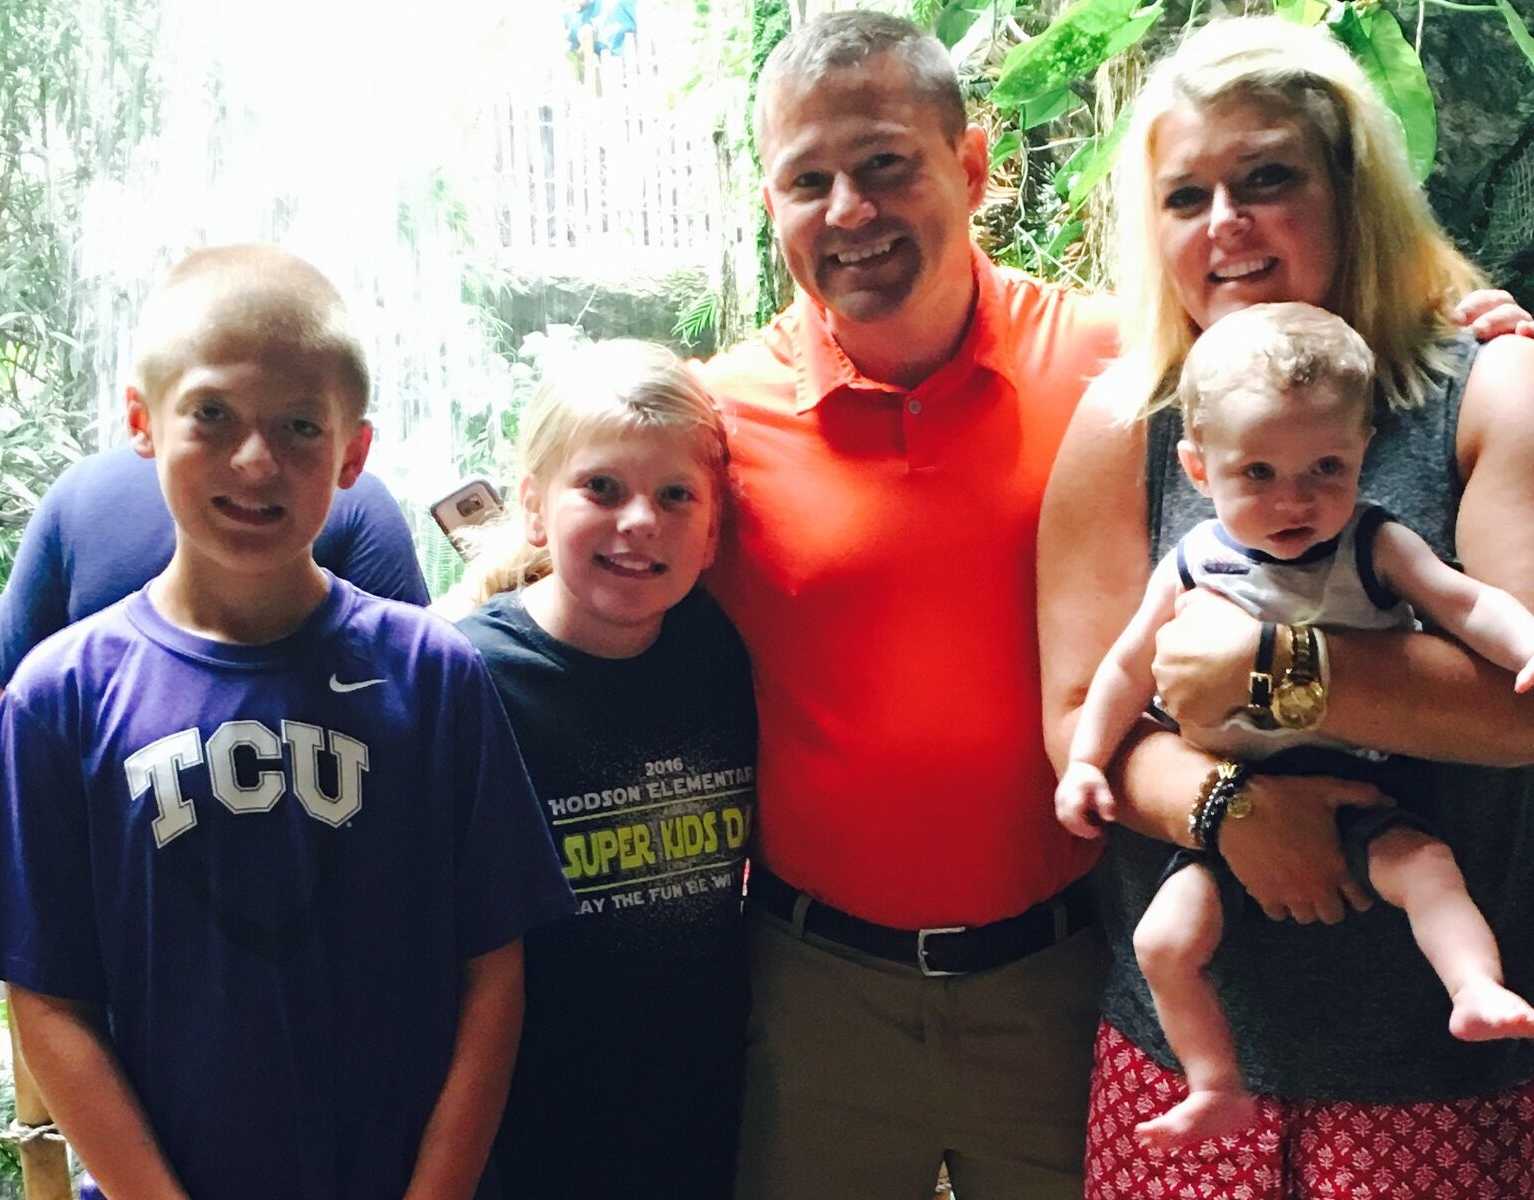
[[947, 950]]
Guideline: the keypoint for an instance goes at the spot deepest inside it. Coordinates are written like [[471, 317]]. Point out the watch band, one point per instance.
[[1259, 687], [1302, 654]]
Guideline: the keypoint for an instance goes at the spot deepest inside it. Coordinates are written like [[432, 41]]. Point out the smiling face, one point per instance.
[[1247, 211], [250, 447], [1281, 466], [869, 197], [630, 520]]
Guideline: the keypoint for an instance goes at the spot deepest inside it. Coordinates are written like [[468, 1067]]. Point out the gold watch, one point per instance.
[[1299, 698]]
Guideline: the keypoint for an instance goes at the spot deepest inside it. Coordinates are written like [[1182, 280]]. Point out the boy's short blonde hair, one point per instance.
[[246, 299], [606, 388], [1282, 346]]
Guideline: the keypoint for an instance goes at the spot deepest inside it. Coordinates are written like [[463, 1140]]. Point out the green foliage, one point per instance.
[[951, 21], [10, 1160], [51, 144], [1375, 39], [1052, 150], [1083, 37], [770, 24], [1518, 29], [697, 320]]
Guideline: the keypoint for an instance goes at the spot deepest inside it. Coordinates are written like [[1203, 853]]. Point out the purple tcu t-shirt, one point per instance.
[[268, 863]]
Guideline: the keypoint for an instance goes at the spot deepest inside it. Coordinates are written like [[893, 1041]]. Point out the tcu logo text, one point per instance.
[[158, 766]]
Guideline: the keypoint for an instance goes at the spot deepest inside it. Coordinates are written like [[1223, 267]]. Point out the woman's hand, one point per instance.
[[1285, 851], [1490, 312], [1204, 658]]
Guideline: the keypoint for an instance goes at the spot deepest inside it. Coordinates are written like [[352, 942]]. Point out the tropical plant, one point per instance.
[[1056, 98], [10, 1159], [52, 141]]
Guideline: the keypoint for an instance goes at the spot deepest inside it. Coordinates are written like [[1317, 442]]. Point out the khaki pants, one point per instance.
[[863, 1075]]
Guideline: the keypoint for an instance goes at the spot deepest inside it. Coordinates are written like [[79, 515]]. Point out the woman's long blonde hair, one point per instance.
[[1398, 273], [609, 387]]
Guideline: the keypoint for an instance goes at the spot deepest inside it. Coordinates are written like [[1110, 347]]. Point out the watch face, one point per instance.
[[1299, 705]]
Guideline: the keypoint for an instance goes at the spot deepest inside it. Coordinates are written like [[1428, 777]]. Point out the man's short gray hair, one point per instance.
[[835, 41]]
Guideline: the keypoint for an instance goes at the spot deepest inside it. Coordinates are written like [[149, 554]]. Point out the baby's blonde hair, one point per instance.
[[1398, 273], [618, 386], [1285, 347]]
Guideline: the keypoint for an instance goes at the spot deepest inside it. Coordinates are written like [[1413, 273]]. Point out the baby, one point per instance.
[[1277, 402]]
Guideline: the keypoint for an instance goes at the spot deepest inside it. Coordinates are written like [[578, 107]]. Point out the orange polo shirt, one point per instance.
[[881, 570]]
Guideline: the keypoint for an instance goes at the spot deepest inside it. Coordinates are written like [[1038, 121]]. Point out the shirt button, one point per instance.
[[913, 407]]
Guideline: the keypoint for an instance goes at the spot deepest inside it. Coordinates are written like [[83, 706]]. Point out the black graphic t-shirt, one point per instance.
[[645, 769], [628, 1075]]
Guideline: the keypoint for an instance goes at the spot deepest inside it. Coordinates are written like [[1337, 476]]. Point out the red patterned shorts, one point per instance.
[[1481, 1148]]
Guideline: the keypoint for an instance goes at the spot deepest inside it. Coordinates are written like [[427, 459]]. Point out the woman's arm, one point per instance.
[[65, 1044], [1093, 565], [1408, 693]]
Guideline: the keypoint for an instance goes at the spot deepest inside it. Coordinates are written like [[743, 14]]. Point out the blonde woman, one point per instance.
[[1260, 167]]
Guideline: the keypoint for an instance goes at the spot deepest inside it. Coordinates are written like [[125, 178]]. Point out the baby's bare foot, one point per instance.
[[1484, 1010], [1203, 1115]]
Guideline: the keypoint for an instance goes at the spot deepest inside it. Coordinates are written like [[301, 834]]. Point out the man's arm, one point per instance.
[[456, 1143], [367, 542], [94, 1104], [1407, 693], [1491, 312], [35, 602]]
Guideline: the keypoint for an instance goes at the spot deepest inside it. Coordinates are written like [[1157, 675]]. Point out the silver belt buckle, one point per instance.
[[921, 950]]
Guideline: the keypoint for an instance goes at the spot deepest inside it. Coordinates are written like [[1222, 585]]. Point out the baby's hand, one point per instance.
[[1083, 802], [1525, 678]]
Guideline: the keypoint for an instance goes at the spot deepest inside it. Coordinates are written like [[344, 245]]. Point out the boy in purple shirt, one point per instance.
[[269, 846]]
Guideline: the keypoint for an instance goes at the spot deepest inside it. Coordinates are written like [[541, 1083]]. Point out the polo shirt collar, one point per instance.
[[824, 367]]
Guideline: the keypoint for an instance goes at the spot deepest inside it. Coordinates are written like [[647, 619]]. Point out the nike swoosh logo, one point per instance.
[[337, 686]]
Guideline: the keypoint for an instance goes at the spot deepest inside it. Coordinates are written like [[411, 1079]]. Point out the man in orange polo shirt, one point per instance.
[[919, 991]]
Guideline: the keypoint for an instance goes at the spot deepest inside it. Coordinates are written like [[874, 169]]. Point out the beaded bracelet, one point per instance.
[[1220, 787]]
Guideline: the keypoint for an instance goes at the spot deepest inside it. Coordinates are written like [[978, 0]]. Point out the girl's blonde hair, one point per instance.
[[605, 388], [1398, 273]]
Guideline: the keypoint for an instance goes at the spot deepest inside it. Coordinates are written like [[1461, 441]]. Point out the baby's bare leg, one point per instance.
[[1418, 873], [1174, 942]]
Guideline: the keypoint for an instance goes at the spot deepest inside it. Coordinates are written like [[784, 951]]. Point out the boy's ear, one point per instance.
[[1192, 459], [140, 436], [531, 497], [356, 454]]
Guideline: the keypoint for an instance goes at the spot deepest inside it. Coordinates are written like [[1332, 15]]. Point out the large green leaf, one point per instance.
[[956, 18], [1301, 12], [1518, 29], [1005, 148], [1133, 30], [1068, 234], [1041, 109], [1375, 38], [1076, 43], [1094, 167]]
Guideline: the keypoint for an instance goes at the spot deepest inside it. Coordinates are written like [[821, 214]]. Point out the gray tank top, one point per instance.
[[1352, 1011]]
